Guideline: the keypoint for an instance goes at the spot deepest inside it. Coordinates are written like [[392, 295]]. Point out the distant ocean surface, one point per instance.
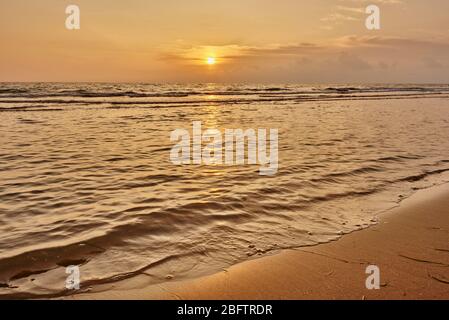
[[86, 177]]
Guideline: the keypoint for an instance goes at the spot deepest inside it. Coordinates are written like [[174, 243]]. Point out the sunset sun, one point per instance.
[[211, 61]]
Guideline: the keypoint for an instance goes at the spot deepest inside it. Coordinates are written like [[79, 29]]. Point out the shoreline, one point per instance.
[[410, 245]]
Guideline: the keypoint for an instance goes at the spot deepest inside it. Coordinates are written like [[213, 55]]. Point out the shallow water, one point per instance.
[[86, 178]]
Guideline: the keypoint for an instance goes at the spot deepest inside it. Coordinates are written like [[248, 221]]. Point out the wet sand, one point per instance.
[[410, 245]]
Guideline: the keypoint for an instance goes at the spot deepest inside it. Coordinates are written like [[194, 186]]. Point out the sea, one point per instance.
[[86, 178]]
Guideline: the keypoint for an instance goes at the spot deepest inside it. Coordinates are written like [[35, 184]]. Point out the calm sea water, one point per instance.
[[86, 178]]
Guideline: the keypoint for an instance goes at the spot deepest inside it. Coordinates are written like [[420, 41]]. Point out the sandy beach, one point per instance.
[[409, 244]]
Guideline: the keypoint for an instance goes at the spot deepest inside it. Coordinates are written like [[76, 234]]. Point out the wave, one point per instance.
[[36, 91], [96, 188], [181, 103], [166, 222]]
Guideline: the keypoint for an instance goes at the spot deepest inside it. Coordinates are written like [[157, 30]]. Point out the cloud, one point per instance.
[[359, 10], [229, 52], [338, 17], [346, 12], [398, 42], [353, 62], [352, 58]]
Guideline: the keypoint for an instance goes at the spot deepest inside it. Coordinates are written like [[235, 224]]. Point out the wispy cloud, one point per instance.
[[338, 17], [351, 10]]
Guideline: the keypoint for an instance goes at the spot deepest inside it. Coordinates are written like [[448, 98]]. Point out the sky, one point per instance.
[[250, 41]]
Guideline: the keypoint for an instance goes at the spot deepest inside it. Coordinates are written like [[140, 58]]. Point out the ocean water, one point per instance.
[[86, 177]]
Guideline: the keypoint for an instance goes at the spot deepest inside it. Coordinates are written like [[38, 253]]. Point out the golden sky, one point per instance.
[[257, 41]]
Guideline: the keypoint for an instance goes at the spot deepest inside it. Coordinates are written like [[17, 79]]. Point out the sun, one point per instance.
[[211, 61]]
